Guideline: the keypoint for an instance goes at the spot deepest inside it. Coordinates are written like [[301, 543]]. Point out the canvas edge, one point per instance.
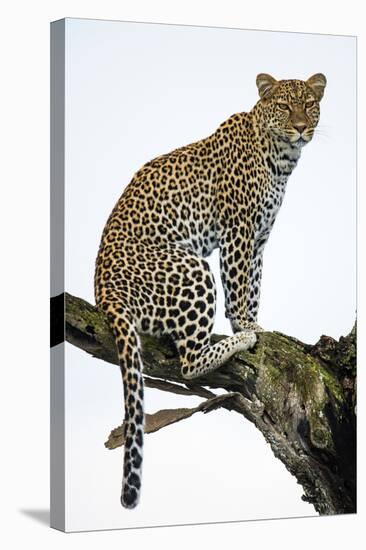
[[57, 279]]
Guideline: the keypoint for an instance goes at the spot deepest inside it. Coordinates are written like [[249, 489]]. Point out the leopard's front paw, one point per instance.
[[246, 326]]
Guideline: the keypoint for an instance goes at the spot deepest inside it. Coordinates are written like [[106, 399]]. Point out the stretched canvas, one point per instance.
[[238, 148]]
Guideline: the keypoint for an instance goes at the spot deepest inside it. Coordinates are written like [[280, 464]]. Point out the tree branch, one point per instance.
[[301, 398], [165, 417]]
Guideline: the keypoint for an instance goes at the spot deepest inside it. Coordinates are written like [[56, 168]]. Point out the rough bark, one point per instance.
[[301, 397]]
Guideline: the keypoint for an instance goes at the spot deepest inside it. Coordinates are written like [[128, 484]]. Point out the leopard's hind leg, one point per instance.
[[195, 296], [207, 358]]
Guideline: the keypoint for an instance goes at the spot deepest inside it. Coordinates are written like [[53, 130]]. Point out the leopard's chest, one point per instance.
[[274, 192]]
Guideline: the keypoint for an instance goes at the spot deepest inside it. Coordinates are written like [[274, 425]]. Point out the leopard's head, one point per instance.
[[289, 109]]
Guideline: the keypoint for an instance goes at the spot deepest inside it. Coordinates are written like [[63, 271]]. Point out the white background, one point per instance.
[[24, 217], [136, 91]]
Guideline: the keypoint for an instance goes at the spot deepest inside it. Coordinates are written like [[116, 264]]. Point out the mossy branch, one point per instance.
[[301, 398]]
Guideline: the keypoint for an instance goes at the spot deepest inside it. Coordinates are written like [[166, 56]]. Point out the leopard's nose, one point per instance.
[[300, 126]]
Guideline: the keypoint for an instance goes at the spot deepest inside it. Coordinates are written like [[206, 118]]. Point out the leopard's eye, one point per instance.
[[283, 106], [310, 104]]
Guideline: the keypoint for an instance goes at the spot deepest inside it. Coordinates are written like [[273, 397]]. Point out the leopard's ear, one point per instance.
[[265, 84], [317, 83]]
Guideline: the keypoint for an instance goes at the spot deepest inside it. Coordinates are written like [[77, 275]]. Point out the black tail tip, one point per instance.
[[129, 497]]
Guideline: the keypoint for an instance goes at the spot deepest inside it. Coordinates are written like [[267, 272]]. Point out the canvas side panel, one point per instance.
[[57, 254]]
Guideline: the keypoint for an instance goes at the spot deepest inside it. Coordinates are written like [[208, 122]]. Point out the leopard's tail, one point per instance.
[[129, 354]]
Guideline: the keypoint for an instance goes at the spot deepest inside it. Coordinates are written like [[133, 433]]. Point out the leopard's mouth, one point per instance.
[[301, 141]]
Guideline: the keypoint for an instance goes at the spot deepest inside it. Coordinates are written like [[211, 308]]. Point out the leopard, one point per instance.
[[151, 276]]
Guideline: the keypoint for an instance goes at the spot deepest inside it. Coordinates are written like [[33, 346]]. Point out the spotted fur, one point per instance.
[[223, 191]]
